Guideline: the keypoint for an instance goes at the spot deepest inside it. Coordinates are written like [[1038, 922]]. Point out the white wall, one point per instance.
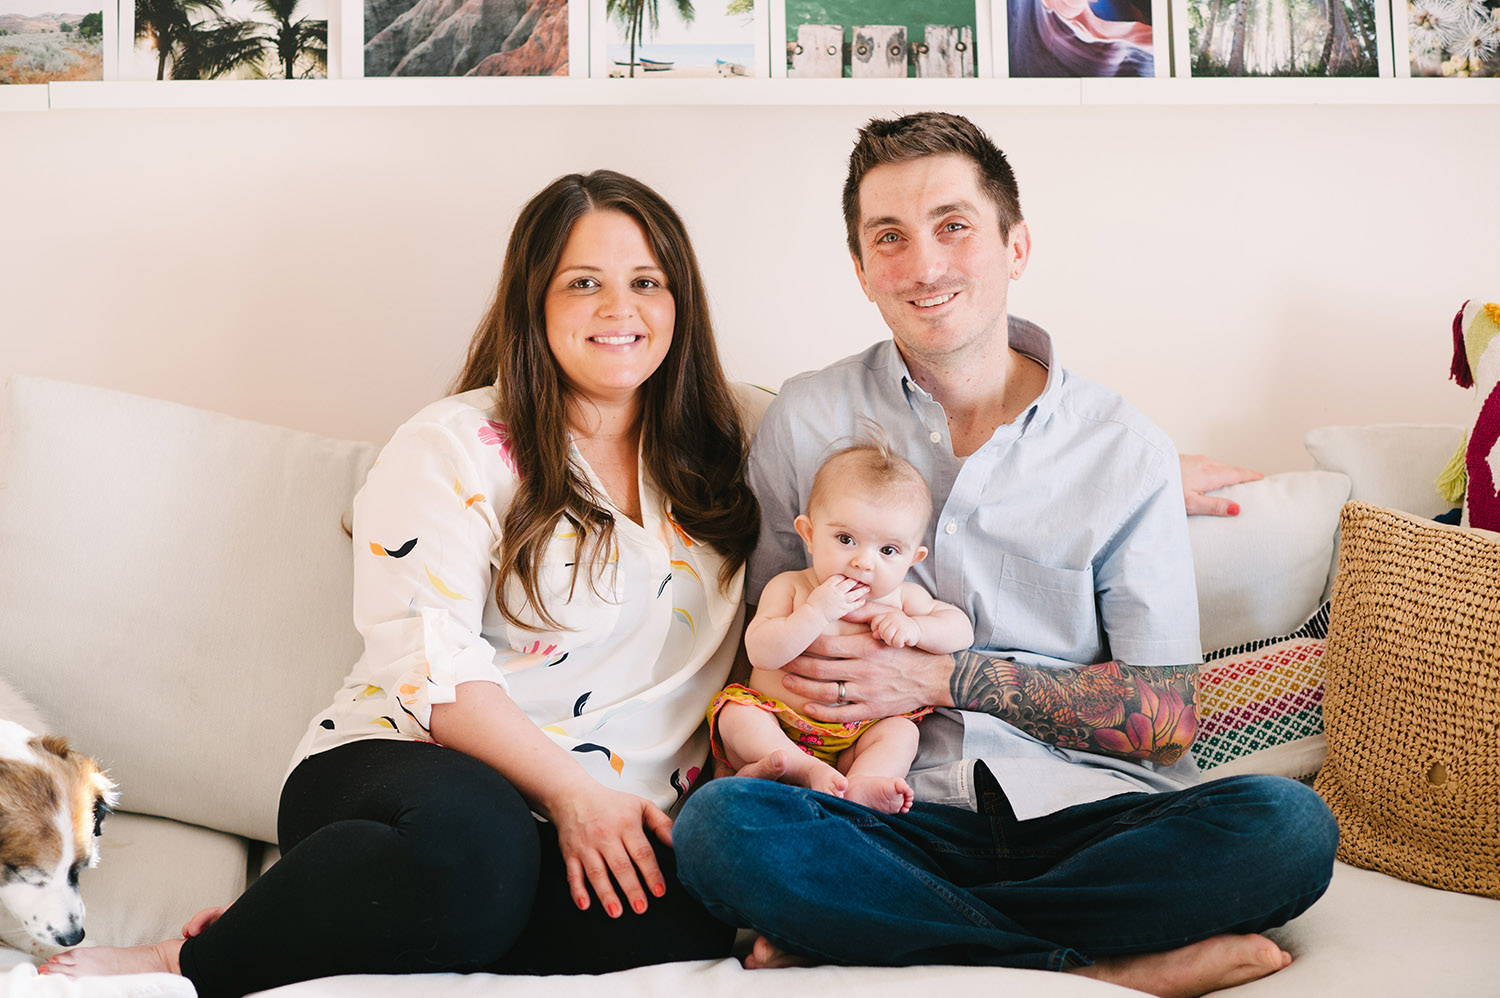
[[1242, 273]]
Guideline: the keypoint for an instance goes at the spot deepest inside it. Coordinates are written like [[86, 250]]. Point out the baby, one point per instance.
[[865, 520]]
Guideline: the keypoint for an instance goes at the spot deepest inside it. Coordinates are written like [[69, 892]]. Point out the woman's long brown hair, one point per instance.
[[693, 441]]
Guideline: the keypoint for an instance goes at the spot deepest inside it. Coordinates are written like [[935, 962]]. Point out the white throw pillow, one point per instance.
[[177, 591], [1395, 465], [1266, 570]]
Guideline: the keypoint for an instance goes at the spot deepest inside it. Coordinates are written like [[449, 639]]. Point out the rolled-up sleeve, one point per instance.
[[425, 529]]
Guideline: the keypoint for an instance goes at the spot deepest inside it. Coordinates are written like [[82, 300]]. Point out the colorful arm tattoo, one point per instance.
[[1110, 708]]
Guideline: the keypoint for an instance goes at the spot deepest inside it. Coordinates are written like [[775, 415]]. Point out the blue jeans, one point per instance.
[[824, 878]]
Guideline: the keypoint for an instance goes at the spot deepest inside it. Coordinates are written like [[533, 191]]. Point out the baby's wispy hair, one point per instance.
[[871, 465]]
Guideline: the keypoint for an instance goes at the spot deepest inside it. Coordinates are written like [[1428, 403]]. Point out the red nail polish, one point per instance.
[[659, 889], [614, 911], [639, 905]]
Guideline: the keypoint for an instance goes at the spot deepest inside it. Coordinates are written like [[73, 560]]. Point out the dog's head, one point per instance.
[[52, 804]]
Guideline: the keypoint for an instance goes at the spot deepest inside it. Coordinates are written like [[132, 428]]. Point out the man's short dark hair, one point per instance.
[[930, 133]]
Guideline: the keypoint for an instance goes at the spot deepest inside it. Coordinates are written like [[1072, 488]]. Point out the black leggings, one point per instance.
[[406, 857]]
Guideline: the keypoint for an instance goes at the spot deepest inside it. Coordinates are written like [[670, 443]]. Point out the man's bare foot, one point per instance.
[[887, 794], [799, 769], [98, 961], [766, 955], [1219, 962]]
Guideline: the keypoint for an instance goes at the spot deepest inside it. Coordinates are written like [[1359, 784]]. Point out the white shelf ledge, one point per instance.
[[554, 91], [23, 97], [1338, 90]]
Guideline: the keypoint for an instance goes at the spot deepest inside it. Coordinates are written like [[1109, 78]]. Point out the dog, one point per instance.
[[53, 801]]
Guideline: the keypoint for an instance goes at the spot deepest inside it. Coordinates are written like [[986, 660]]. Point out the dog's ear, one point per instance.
[[55, 744], [106, 797]]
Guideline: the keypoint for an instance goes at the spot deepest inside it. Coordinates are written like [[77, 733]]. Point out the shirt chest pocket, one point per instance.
[[1047, 610]]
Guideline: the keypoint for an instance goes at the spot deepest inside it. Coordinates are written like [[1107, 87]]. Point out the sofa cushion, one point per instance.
[[1266, 571], [1260, 705], [152, 875], [1412, 702], [1392, 464], [177, 591]]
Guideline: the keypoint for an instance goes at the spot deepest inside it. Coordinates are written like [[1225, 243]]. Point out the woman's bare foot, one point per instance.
[[1219, 962], [766, 955], [888, 794], [98, 961]]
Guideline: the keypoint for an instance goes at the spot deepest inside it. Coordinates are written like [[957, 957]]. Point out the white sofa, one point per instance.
[[175, 599]]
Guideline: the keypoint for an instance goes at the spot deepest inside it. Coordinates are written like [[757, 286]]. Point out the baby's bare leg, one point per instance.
[[753, 735], [876, 765]]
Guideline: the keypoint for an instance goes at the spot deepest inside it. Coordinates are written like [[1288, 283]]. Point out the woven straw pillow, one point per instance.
[[1412, 700]]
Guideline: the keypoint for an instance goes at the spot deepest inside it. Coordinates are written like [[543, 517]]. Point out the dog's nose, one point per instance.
[[71, 937]]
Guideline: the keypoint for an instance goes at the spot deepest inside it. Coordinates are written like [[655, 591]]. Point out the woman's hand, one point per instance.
[[602, 834], [1201, 475]]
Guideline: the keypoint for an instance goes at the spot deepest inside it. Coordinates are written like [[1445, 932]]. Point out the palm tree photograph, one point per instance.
[[666, 38], [1282, 38], [230, 39]]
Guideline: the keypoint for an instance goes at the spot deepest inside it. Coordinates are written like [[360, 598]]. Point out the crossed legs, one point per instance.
[[1162, 892]]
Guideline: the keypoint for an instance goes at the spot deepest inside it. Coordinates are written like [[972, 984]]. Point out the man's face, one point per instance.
[[932, 258]]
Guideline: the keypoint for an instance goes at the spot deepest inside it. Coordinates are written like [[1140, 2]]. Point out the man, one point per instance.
[[1059, 823]]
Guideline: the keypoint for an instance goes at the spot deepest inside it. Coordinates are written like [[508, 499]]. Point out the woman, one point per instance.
[[548, 567]]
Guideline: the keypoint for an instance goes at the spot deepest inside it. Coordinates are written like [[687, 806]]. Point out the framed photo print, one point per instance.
[[443, 38], [1079, 38], [667, 39], [881, 38], [49, 41], [232, 40], [1293, 38], [1447, 38]]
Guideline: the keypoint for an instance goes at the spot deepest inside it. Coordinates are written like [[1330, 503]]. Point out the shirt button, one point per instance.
[[951, 528], [935, 437]]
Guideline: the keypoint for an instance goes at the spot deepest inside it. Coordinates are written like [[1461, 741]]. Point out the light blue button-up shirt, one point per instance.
[[1064, 538]]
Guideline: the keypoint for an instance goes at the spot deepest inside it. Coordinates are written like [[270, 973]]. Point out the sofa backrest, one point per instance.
[[177, 591], [176, 597]]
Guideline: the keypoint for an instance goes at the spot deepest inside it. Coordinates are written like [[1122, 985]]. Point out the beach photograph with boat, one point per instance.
[[664, 39]]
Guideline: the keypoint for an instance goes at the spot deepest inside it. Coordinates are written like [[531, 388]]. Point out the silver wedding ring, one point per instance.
[[842, 697]]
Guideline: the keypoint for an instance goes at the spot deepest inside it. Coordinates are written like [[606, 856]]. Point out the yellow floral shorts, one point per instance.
[[822, 740]]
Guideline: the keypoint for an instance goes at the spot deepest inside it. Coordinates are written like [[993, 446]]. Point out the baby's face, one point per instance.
[[871, 543]]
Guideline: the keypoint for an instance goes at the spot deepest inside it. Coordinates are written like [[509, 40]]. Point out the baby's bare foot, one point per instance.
[[887, 794], [98, 961], [766, 955], [1219, 962], [800, 769]]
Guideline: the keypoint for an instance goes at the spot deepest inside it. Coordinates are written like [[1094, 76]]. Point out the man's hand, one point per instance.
[[1202, 474], [879, 680]]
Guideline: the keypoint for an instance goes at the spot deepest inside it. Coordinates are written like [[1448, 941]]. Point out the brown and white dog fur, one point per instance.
[[52, 803]]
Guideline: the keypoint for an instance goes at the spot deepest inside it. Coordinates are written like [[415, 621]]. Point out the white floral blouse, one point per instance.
[[626, 680]]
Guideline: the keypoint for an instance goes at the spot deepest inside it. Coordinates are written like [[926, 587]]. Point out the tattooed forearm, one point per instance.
[[1111, 708]]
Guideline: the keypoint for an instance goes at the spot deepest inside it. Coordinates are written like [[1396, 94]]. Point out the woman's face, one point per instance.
[[609, 311]]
